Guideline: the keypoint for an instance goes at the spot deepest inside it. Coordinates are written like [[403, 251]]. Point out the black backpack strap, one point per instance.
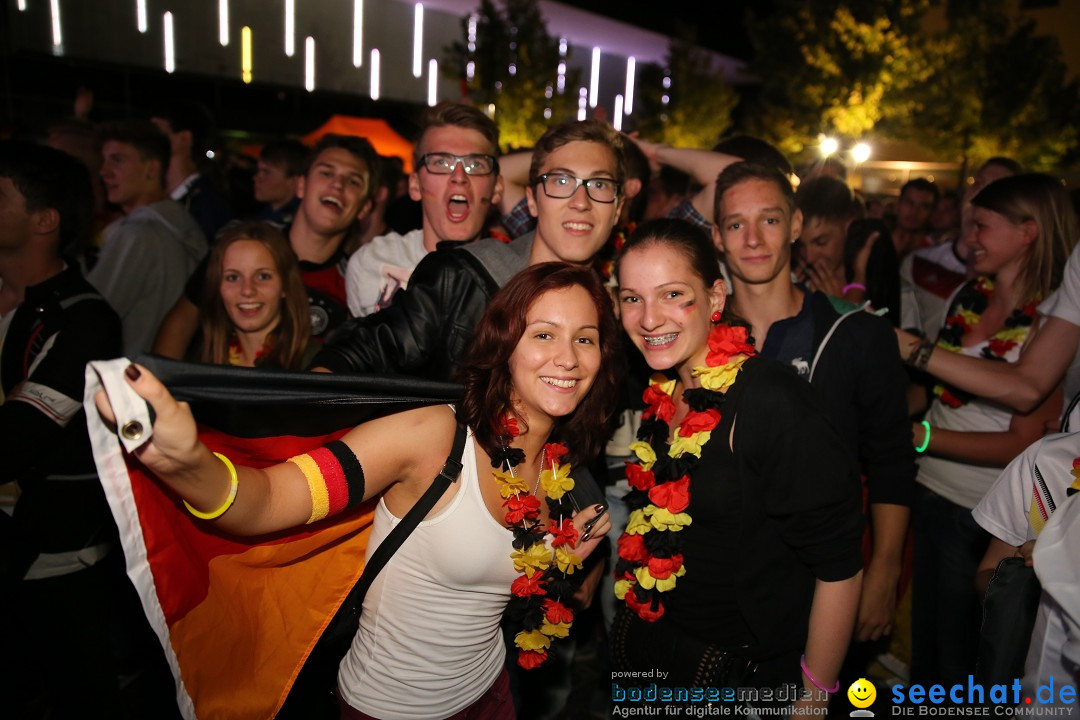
[[449, 474]]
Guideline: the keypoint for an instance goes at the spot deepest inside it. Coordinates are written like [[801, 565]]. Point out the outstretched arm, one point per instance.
[[514, 169], [277, 497], [1022, 385], [702, 165]]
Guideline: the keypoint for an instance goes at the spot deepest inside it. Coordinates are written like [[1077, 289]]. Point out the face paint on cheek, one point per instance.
[[688, 304]]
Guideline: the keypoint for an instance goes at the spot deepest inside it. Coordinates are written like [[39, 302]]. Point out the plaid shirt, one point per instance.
[[518, 221], [686, 211]]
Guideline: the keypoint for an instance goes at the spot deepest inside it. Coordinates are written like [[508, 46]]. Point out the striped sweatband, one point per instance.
[[335, 479]]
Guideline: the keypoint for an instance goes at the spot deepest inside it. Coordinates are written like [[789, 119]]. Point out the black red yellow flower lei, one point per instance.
[[548, 574], [236, 353], [650, 560], [971, 302]]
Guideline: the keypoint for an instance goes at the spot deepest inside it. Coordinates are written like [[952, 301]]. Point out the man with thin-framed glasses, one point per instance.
[[455, 179], [575, 193]]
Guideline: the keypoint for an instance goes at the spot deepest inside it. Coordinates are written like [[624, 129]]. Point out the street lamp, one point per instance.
[[860, 153]]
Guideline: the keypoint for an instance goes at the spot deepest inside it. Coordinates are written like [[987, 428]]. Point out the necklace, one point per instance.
[[650, 557], [236, 352], [549, 570], [967, 310]]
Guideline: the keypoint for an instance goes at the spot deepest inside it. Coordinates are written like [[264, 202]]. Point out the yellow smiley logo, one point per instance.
[[862, 693]]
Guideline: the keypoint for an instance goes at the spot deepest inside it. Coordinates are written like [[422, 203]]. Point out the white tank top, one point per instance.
[[429, 642]]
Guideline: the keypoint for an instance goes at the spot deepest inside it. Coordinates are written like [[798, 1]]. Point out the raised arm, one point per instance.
[[702, 165], [514, 169], [384, 452]]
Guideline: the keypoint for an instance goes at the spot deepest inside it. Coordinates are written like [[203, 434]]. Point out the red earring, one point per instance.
[[716, 316]]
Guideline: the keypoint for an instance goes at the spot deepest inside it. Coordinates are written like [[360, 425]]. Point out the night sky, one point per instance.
[[719, 23]]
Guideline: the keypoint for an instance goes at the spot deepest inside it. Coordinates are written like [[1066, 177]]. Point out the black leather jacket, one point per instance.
[[426, 330]]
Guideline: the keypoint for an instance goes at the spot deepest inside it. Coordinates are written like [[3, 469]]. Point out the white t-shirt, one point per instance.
[[1003, 512], [1065, 304], [429, 643], [928, 277], [381, 268]]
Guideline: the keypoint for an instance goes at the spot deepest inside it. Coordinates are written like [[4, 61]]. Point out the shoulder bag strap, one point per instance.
[[449, 474]]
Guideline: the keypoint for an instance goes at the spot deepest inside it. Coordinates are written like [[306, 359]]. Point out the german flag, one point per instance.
[[238, 617]]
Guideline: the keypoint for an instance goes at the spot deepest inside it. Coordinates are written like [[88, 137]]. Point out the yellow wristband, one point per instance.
[[234, 483]]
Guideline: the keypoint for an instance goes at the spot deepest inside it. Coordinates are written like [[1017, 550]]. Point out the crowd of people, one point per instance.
[[802, 383]]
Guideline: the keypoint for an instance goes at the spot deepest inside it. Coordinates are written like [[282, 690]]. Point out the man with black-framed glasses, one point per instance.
[[455, 179], [427, 328]]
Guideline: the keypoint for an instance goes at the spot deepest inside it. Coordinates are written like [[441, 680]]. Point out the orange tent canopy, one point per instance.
[[378, 133]]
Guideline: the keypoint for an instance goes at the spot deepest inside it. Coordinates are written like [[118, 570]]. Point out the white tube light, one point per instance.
[[57, 38], [290, 27], [223, 22], [432, 82], [631, 65], [582, 104], [358, 33], [617, 119], [418, 40], [374, 74], [170, 45], [140, 16], [309, 63], [22, 5], [594, 78]]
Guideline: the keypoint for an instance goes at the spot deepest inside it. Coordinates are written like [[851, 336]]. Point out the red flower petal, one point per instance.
[[525, 586], [661, 568], [639, 478], [644, 610], [530, 659], [554, 453], [725, 341], [556, 612], [521, 507], [509, 425], [696, 422], [564, 533], [658, 404], [632, 548], [674, 495]]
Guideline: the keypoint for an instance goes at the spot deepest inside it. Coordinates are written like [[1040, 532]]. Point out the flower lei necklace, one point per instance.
[[547, 573], [650, 557], [970, 304], [236, 353]]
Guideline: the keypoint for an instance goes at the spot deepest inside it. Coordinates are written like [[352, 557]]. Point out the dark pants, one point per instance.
[[945, 610]]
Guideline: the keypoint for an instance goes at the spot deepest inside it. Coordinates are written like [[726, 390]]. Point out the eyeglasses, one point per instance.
[[561, 185], [445, 163]]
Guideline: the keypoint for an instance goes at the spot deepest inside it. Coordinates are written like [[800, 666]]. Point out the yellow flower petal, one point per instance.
[[621, 586], [644, 579], [566, 561], [508, 484], [532, 640], [971, 318], [690, 444], [645, 454], [1018, 333], [537, 558], [661, 381], [559, 630], [664, 519], [721, 377], [638, 524], [556, 484]]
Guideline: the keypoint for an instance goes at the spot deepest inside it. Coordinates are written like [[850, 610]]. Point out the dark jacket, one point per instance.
[[426, 330], [861, 380], [62, 324]]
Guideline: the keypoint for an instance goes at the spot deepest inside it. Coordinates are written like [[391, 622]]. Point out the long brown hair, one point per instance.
[[485, 370], [1043, 200], [289, 340]]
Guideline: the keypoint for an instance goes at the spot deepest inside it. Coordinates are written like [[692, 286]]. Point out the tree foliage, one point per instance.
[[699, 101], [516, 63]]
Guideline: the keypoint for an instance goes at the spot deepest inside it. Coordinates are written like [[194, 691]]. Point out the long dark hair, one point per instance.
[[882, 268], [485, 370]]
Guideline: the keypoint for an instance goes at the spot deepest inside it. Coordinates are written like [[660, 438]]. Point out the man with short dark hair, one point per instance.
[[917, 200], [828, 208], [840, 349], [148, 254], [61, 535], [574, 192], [335, 192], [277, 173], [188, 127], [456, 180]]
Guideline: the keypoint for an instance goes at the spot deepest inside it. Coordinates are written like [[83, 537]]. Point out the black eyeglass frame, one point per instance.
[[456, 159], [578, 182]]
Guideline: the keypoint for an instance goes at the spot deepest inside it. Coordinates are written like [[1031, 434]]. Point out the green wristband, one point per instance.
[[926, 438]]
